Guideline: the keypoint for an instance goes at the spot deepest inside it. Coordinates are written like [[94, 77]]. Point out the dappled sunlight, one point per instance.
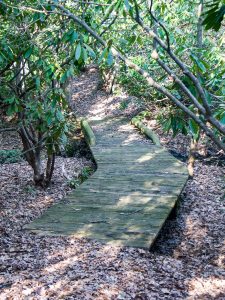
[[123, 203], [94, 271], [98, 111], [74, 272], [129, 139], [125, 128], [132, 198], [93, 244], [220, 261], [142, 198], [191, 226], [60, 265], [145, 157], [198, 287]]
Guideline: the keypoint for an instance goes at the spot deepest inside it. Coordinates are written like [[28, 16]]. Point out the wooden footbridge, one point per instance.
[[127, 200]]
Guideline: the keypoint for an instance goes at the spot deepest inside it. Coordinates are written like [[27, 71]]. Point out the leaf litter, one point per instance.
[[186, 262]]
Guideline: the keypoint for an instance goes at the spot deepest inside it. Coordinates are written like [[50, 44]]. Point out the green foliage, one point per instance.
[[10, 156], [123, 105], [207, 64], [143, 115], [43, 58], [39, 53], [54, 48], [74, 183], [85, 174], [30, 189], [220, 113], [134, 84], [173, 120], [214, 15], [70, 149]]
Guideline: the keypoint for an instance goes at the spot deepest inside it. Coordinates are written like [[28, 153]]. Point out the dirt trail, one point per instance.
[[89, 100]]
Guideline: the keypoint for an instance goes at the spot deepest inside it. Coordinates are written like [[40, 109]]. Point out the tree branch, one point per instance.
[[145, 74], [150, 4], [182, 66]]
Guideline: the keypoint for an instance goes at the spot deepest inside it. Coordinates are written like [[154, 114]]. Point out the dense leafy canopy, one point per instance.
[[44, 43], [214, 15]]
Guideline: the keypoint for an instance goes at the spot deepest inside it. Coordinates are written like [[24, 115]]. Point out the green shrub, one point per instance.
[[123, 105], [74, 183], [85, 173], [70, 149], [10, 156]]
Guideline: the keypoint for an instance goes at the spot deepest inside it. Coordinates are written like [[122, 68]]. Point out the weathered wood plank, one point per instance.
[[127, 200]]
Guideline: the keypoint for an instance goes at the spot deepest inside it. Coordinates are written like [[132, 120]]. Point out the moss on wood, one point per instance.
[[88, 132], [146, 130]]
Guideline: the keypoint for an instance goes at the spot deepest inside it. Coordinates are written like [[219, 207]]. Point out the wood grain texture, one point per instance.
[[127, 200]]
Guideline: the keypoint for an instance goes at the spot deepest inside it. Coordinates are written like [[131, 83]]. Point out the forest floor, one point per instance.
[[187, 261]]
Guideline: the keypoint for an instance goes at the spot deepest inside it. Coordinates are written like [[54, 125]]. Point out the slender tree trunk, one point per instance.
[[199, 42], [199, 26], [112, 77], [204, 108], [49, 168], [155, 31], [32, 154], [32, 150], [191, 158], [38, 170]]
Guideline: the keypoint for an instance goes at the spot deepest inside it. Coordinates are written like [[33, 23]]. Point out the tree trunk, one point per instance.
[[38, 171], [203, 107], [49, 169], [113, 77], [32, 152], [199, 26], [191, 158]]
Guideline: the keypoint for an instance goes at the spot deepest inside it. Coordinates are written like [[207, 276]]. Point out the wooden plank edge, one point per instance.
[[171, 212]]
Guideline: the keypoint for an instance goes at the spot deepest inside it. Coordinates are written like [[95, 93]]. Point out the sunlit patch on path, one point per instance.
[[128, 198]]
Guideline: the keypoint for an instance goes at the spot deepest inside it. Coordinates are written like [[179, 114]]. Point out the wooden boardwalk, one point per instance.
[[127, 200]]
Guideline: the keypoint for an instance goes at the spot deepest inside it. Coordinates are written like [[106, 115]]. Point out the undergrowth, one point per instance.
[[85, 174], [10, 156]]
